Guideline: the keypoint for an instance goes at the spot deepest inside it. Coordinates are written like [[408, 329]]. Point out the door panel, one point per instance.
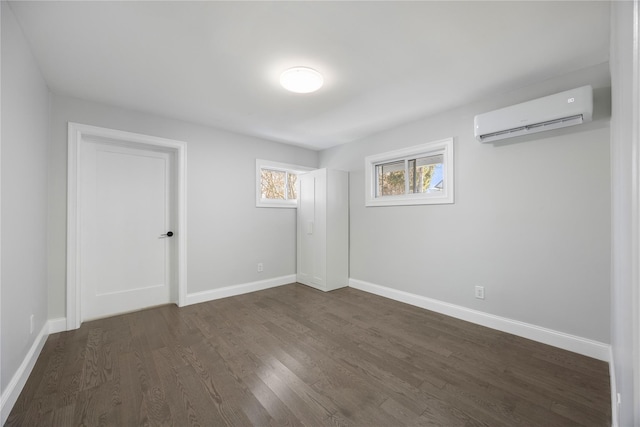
[[312, 229], [126, 208], [306, 225]]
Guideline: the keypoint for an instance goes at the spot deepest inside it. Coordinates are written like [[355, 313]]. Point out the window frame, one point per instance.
[[276, 166], [443, 147]]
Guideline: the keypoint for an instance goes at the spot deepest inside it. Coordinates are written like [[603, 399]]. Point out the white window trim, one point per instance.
[[285, 167], [443, 147]]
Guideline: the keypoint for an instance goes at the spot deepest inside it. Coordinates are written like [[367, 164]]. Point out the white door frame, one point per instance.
[[635, 242], [76, 137]]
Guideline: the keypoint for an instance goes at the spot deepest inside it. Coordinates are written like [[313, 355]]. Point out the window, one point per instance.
[[276, 184], [417, 175]]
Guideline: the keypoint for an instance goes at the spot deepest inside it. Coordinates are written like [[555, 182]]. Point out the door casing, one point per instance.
[[79, 134]]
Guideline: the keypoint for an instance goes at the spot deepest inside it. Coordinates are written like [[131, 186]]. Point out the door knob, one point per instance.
[[169, 234]]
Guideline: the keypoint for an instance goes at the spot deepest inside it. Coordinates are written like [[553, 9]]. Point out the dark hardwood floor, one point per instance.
[[292, 356]]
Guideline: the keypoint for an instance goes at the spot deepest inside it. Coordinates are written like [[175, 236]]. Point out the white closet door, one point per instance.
[[125, 262], [307, 230]]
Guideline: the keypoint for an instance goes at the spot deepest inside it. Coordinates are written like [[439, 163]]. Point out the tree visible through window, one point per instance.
[[422, 174], [391, 178], [425, 174], [276, 184]]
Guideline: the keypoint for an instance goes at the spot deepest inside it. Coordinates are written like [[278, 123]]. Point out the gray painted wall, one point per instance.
[[25, 110], [227, 234], [530, 223], [624, 300]]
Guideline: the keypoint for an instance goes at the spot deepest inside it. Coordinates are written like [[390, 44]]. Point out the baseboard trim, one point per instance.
[[15, 386], [58, 324], [562, 340], [233, 290]]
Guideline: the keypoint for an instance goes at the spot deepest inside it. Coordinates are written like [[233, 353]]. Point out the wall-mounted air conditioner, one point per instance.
[[568, 108]]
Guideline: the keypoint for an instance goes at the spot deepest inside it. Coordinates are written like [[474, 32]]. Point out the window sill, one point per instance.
[[277, 204], [409, 201]]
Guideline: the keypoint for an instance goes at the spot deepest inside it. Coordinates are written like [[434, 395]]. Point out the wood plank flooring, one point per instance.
[[291, 356]]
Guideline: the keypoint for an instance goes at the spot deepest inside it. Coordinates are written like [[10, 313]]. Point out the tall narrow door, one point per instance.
[[306, 228], [125, 245], [312, 228]]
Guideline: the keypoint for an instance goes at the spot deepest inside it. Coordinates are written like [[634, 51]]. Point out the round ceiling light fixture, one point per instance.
[[301, 80]]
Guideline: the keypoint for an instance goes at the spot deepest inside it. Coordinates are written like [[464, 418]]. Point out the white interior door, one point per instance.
[[125, 214], [307, 247]]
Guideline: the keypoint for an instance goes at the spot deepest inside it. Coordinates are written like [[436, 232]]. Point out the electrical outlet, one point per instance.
[[618, 399], [31, 325], [480, 292], [260, 267]]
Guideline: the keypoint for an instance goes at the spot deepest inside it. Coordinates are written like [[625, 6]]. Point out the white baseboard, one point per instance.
[[580, 345], [15, 386], [58, 324], [229, 291]]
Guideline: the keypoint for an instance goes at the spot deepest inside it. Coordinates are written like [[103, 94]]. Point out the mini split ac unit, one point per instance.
[[568, 108]]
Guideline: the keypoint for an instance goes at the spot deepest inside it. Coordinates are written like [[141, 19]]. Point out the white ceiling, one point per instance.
[[384, 63]]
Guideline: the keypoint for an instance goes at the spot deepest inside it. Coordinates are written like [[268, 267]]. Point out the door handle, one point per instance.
[[169, 234]]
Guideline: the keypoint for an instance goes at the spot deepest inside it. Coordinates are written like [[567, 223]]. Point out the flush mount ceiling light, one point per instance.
[[301, 80]]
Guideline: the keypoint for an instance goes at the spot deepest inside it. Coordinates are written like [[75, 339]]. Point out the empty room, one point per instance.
[[320, 213]]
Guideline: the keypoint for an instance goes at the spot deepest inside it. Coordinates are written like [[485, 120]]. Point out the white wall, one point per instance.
[[227, 234], [530, 222], [625, 238], [25, 110]]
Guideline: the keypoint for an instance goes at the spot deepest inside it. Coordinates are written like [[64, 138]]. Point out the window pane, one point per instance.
[[292, 178], [391, 179], [425, 174], [272, 184]]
